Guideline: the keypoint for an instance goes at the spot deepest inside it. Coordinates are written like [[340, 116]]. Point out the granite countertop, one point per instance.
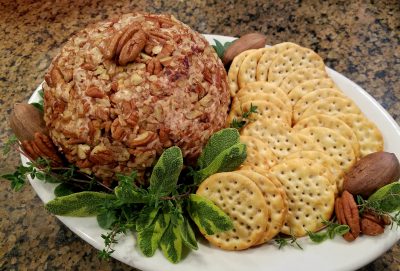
[[359, 39]]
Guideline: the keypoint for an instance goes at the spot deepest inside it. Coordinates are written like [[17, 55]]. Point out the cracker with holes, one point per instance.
[[291, 60], [280, 138], [248, 68], [264, 88], [333, 123], [242, 200], [234, 69], [299, 76], [277, 206], [325, 160], [368, 135], [268, 56], [238, 101], [310, 197], [258, 153], [265, 110], [334, 144], [332, 106], [313, 97], [308, 86]]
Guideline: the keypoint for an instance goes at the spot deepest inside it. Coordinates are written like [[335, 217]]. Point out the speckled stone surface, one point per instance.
[[359, 39]]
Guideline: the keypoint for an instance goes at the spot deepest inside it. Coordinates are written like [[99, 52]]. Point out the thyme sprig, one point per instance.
[[244, 119]]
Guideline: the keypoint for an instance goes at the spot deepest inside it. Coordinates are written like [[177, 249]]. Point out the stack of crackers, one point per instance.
[[305, 136]]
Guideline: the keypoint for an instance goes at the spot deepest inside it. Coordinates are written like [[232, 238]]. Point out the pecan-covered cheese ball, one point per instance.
[[121, 91]]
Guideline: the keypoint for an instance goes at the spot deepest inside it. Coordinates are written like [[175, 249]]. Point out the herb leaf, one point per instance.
[[227, 160], [217, 143], [149, 238], [171, 243], [187, 234], [39, 104], [208, 217], [146, 217], [244, 118], [220, 49], [127, 192], [386, 199], [63, 189], [106, 219], [79, 204], [166, 172]]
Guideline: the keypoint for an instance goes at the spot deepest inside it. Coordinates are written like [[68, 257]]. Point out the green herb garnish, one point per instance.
[[244, 119], [39, 104], [332, 229], [221, 48]]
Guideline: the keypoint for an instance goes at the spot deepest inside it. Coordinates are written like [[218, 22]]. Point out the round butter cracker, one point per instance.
[[310, 197], [241, 199]]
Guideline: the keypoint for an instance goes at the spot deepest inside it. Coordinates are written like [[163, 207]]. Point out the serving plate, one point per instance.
[[334, 254]]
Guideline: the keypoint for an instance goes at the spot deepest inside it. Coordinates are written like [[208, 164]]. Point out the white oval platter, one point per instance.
[[332, 255]]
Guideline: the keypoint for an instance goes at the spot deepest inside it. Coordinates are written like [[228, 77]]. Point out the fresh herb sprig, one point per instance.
[[291, 240], [163, 214], [385, 201], [332, 229], [244, 119], [221, 48]]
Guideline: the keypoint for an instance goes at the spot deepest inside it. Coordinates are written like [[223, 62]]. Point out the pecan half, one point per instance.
[[94, 92], [347, 214], [132, 48], [41, 147], [371, 227], [154, 66]]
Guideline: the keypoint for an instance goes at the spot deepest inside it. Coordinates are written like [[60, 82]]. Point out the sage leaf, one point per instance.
[[149, 238], [227, 160], [187, 234], [209, 218], [217, 143], [166, 172], [317, 237], [171, 243], [63, 189], [79, 204], [387, 198], [106, 219], [146, 217]]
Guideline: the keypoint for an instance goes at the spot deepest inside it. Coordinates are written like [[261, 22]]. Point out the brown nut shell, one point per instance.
[[25, 121], [245, 42], [371, 173]]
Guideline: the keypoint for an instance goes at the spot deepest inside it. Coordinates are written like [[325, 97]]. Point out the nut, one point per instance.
[[25, 121], [371, 173], [132, 48], [347, 214], [370, 227], [41, 147], [245, 42]]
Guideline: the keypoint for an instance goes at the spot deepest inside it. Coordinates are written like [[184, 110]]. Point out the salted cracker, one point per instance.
[[241, 199], [234, 70], [299, 76], [248, 68], [313, 97], [265, 110], [280, 138], [334, 144], [259, 153], [308, 86], [368, 135], [291, 60], [333, 123], [268, 56], [310, 197], [277, 206], [332, 106], [261, 88]]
